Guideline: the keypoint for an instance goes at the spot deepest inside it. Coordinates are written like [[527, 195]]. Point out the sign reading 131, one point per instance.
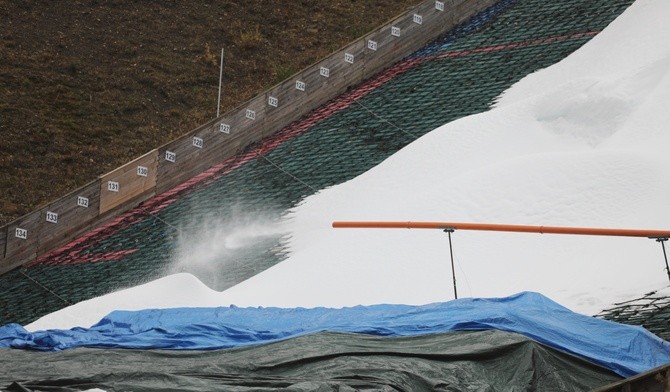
[[113, 186]]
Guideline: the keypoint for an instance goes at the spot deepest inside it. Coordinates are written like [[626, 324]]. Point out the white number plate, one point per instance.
[[21, 233], [170, 156], [52, 217], [82, 201], [142, 171]]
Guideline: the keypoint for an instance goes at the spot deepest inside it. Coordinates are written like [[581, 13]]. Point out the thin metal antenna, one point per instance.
[[662, 241], [450, 230], [218, 102]]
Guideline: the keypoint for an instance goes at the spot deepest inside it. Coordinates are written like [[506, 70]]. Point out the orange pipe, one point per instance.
[[499, 227]]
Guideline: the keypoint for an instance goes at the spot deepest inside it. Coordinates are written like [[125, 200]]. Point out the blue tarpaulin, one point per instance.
[[626, 350]]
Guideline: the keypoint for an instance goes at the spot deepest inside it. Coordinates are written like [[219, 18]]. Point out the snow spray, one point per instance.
[[225, 248]]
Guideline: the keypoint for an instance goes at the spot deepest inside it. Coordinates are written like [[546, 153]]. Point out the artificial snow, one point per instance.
[[581, 143]]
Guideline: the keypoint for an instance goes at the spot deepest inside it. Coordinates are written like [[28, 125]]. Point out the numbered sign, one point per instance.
[[82, 201], [52, 217], [113, 186], [21, 233], [372, 45], [198, 142], [170, 156], [439, 5], [325, 72], [418, 19], [349, 58], [225, 128], [250, 114], [299, 85], [142, 171], [273, 101], [395, 31]]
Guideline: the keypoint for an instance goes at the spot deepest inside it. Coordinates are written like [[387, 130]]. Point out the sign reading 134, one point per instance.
[[21, 233]]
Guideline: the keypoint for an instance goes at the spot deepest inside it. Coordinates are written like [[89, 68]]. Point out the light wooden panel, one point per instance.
[[22, 248], [73, 211], [131, 185]]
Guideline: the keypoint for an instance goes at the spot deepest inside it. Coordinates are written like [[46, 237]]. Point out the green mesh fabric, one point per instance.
[[651, 311], [459, 74]]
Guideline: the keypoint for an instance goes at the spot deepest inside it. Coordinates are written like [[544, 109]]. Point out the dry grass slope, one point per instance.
[[88, 86]]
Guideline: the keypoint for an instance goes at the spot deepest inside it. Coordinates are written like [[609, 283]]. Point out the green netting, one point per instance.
[[651, 311], [447, 85], [23, 300]]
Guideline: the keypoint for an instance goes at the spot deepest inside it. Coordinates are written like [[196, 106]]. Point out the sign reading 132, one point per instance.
[[82, 201]]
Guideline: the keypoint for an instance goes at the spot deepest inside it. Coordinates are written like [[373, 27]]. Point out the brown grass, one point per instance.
[[86, 87]]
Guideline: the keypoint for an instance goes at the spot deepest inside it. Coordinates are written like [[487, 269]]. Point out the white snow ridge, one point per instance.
[[582, 143]]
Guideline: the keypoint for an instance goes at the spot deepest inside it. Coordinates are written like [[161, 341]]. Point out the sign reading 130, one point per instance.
[[142, 171]]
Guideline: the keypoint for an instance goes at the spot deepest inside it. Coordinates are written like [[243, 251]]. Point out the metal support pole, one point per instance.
[[218, 102], [450, 230], [662, 241]]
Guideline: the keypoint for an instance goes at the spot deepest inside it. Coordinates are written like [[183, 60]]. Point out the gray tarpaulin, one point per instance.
[[327, 361]]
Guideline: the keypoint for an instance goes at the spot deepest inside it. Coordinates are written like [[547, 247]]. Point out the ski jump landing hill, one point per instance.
[[324, 126]]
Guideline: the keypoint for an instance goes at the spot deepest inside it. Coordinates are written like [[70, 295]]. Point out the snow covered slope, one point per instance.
[[582, 143]]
